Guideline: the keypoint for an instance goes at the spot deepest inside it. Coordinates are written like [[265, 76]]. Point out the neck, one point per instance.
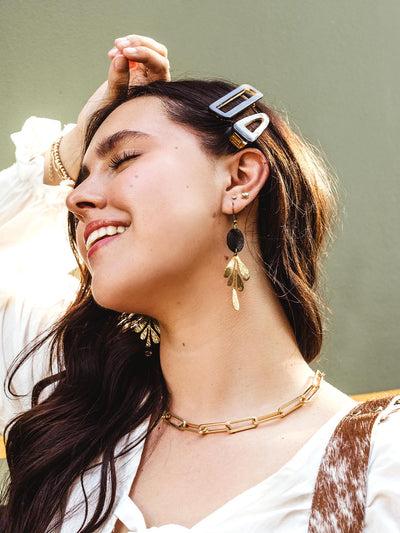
[[220, 364]]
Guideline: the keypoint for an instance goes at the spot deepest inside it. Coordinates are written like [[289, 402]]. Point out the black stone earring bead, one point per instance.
[[235, 240]]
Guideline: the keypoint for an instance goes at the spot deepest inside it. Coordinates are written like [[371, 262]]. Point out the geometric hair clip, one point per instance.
[[242, 134]]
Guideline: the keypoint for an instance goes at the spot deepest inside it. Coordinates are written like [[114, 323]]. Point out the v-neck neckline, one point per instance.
[[279, 480]]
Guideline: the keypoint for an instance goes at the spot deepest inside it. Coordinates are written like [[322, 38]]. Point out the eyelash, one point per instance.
[[117, 159]]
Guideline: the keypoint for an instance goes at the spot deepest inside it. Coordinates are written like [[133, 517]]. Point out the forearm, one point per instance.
[[21, 185], [71, 148]]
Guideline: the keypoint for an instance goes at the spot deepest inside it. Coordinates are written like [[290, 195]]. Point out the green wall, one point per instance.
[[332, 65]]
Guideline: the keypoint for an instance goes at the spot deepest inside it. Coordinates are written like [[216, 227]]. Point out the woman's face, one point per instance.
[[157, 194]]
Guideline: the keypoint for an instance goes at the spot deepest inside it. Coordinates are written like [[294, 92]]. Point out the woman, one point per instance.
[[164, 179]]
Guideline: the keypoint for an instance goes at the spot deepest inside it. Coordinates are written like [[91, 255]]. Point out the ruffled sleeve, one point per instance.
[[35, 257], [383, 489], [33, 240]]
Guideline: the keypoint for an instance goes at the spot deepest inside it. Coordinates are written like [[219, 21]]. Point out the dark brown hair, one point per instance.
[[104, 386]]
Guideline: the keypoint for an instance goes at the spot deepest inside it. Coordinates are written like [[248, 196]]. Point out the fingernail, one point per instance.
[[120, 63], [131, 50], [113, 51], [123, 42]]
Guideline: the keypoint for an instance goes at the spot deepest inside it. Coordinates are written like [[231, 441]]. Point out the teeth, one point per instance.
[[102, 232]]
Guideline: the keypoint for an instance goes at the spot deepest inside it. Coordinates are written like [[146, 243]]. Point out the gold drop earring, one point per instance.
[[236, 271], [147, 328]]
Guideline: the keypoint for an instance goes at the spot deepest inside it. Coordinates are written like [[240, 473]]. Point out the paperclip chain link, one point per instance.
[[243, 424]]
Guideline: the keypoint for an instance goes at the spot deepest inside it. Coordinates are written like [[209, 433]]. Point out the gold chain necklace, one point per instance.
[[243, 424]]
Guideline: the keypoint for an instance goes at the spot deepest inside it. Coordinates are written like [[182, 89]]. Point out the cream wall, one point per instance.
[[332, 65]]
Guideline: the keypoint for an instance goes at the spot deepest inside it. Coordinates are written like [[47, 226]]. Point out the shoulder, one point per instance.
[[383, 489], [385, 441], [331, 401]]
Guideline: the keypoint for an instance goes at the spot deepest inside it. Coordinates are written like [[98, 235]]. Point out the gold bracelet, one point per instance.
[[56, 163]]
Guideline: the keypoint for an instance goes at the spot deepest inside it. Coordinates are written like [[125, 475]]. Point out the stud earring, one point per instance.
[[245, 195], [236, 271], [147, 327]]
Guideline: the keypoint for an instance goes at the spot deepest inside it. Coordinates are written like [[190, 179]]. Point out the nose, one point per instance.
[[87, 196]]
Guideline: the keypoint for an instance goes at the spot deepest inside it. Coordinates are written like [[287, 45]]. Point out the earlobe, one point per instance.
[[249, 171]]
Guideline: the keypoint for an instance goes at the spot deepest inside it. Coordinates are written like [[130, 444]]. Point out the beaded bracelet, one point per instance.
[[56, 164]]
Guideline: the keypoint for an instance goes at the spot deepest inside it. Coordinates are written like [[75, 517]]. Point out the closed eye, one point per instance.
[[118, 159]]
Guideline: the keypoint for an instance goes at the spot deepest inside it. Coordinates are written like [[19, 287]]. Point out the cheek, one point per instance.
[[80, 244], [173, 213], [175, 192]]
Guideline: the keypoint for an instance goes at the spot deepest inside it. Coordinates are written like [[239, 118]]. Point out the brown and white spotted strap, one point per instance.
[[340, 491]]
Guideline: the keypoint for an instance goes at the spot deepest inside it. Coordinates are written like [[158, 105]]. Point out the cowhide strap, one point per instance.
[[340, 491]]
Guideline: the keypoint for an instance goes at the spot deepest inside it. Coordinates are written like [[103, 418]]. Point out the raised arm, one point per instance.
[[135, 60]]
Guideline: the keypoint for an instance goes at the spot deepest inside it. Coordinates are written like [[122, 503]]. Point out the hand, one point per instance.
[[135, 60], [147, 58]]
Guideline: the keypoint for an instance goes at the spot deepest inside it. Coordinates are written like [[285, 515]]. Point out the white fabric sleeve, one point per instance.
[[383, 489], [35, 257], [33, 242], [21, 321]]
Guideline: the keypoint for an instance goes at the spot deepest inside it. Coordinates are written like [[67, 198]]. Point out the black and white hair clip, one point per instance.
[[242, 135]]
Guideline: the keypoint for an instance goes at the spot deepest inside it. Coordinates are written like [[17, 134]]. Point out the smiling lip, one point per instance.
[[100, 243], [97, 224]]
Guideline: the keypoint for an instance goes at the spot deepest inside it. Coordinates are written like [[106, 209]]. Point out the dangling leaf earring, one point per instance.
[[236, 271], [148, 328]]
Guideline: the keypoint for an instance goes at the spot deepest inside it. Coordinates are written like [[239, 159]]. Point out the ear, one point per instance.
[[248, 172]]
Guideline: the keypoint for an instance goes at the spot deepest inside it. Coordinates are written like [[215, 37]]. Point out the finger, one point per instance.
[[118, 76], [113, 52], [141, 40], [155, 65]]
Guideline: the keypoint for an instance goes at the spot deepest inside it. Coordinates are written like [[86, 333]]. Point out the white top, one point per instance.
[[32, 225]]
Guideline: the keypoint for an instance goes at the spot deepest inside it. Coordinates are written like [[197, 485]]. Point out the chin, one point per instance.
[[106, 297], [115, 301]]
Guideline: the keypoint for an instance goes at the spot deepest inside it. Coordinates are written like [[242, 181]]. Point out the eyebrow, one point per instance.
[[109, 143]]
